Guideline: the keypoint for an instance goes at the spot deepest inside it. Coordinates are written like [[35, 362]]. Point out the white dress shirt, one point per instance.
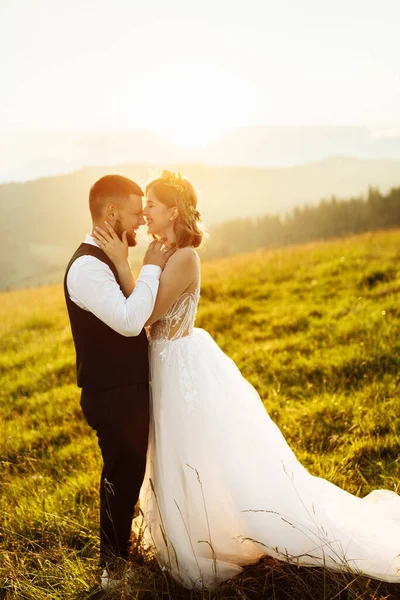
[[93, 287]]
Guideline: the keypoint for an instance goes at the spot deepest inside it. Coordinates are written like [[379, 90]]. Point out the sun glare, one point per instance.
[[202, 105], [187, 117], [190, 134]]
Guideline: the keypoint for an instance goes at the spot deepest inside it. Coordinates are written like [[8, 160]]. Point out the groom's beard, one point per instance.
[[131, 237]]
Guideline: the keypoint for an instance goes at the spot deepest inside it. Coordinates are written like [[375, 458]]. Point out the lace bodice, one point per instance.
[[179, 321]]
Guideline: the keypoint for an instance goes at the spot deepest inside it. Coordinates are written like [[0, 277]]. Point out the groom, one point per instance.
[[112, 358]]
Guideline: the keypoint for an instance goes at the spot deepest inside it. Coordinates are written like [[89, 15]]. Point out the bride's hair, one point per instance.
[[173, 189]]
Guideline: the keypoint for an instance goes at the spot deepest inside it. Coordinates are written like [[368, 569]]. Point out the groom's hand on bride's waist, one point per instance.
[[157, 254]]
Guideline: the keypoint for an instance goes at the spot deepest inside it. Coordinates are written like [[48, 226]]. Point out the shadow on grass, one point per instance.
[[267, 579]]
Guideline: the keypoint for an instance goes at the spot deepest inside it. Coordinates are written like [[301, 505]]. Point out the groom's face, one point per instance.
[[129, 218]]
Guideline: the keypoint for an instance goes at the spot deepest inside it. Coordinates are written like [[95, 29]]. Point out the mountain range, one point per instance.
[[44, 220], [34, 154]]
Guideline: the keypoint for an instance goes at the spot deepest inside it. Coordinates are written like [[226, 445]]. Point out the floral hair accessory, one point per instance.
[[174, 179]]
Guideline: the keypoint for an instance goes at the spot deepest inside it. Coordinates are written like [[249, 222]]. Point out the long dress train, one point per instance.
[[223, 488]]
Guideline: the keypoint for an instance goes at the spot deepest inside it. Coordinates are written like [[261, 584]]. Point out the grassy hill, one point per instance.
[[314, 328]]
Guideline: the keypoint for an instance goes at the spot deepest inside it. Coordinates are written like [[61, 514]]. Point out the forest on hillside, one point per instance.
[[332, 217]]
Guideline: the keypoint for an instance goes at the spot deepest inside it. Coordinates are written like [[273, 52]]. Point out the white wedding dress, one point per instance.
[[222, 487]]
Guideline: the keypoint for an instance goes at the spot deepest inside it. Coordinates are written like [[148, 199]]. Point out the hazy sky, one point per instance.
[[190, 70]]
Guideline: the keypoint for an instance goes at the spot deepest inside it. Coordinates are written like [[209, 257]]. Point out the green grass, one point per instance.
[[314, 328]]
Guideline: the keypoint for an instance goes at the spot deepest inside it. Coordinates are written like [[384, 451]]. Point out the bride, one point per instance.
[[222, 487]]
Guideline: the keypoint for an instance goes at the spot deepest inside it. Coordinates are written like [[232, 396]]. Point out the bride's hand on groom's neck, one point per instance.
[[115, 248]]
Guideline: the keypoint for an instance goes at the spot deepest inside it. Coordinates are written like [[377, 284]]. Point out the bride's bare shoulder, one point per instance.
[[186, 255]]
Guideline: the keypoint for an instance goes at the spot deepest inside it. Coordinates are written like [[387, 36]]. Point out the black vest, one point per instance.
[[104, 358]]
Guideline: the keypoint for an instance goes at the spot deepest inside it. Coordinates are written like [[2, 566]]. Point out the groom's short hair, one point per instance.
[[109, 188]]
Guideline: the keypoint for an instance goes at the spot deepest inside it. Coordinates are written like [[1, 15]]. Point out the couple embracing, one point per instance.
[[179, 427]]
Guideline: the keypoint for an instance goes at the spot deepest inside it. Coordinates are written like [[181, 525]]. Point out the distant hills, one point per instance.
[[31, 155], [44, 220], [290, 145]]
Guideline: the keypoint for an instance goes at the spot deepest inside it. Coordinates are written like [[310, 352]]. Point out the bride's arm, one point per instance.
[[181, 270]]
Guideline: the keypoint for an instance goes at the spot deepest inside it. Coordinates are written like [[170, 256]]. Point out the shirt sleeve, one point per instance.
[[92, 286]]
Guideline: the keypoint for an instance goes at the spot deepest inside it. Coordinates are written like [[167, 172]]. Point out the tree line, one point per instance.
[[332, 217]]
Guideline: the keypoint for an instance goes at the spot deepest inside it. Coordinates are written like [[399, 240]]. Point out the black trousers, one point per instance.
[[120, 417]]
